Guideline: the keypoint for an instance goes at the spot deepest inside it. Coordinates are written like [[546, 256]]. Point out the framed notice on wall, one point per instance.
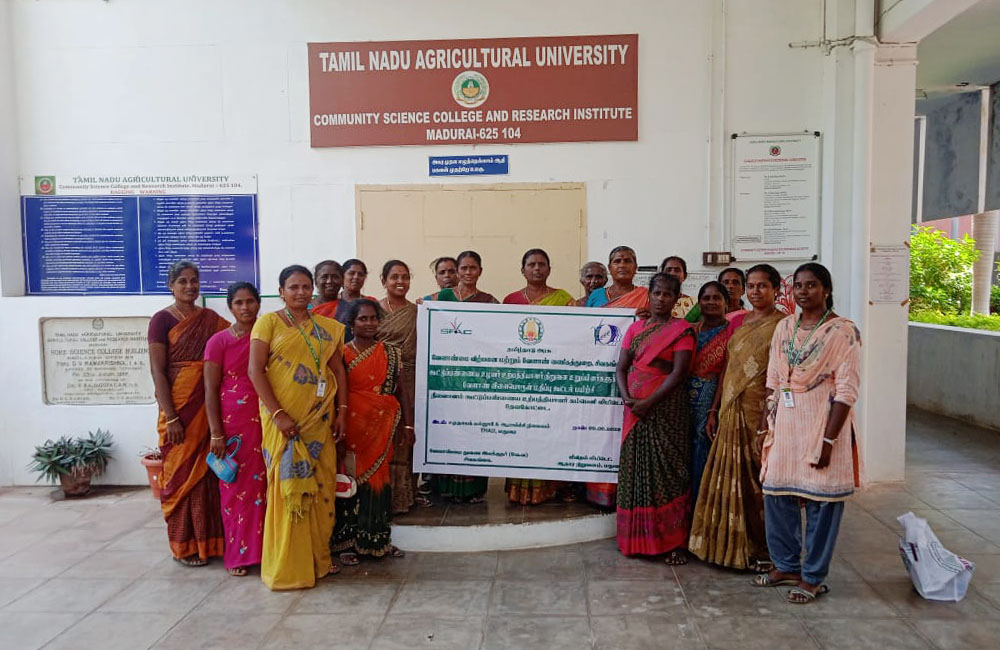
[[471, 91], [119, 234], [776, 197]]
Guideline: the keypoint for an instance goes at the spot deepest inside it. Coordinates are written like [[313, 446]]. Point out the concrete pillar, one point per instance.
[[11, 269], [887, 214]]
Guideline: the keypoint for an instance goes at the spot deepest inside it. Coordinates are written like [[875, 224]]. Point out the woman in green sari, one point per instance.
[[535, 268]]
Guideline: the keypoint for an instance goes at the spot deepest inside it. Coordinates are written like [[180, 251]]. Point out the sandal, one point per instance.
[[351, 559], [803, 596], [237, 571], [191, 561], [767, 580], [475, 500], [761, 566], [396, 552], [676, 558], [423, 502], [334, 569]]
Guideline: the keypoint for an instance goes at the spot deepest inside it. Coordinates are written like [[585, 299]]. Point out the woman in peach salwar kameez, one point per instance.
[[810, 452]]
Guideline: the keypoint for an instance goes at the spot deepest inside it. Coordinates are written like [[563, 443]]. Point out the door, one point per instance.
[[419, 223]]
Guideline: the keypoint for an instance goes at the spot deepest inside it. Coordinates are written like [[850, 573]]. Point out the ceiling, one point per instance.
[[967, 49]]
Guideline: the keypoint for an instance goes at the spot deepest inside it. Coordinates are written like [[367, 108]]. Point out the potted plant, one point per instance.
[[152, 459], [73, 461]]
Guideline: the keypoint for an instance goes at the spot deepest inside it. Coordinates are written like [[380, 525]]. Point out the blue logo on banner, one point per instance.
[[467, 165]]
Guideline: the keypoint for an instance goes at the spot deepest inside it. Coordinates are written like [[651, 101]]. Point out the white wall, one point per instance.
[[221, 86]]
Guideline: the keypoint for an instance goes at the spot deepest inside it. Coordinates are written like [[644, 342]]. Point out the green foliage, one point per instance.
[[995, 299], [67, 456], [974, 321], [940, 271]]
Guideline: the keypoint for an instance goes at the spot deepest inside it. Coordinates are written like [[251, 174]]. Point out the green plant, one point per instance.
[[940, 271], [995, 299], [72, 457], [971, 321]]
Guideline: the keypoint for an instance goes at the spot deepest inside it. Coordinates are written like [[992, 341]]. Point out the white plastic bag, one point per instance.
[[937, 573]]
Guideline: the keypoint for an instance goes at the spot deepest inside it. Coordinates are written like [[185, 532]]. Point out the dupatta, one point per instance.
[[372, 409], [649, 343]]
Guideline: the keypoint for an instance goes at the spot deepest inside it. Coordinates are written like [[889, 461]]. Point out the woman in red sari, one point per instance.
[[654, 485], [189, 495], [623, 294], [329, 281], [363, 522]]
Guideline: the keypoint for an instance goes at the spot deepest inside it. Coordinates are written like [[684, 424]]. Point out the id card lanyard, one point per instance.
[[795, 357], [317, 358]]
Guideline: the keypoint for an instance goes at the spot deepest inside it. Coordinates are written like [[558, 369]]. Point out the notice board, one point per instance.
[[119, 234], [541, 89], [776, 198]]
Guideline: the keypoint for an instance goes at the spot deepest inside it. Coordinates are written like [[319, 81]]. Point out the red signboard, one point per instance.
[[551, 89]]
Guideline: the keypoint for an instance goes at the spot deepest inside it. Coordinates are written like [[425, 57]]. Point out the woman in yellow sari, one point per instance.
[[190, 492], [728, 527], [364, 520], [535, 267], [297, 369]]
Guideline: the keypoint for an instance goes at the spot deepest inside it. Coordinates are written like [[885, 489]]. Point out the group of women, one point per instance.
[[732, 415]]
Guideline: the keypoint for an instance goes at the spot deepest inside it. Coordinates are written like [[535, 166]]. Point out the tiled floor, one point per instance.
[[95, 573]]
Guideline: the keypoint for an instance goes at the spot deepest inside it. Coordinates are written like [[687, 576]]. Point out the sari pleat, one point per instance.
[[399, 328], [363, 521], [189, 497], [728, 524]]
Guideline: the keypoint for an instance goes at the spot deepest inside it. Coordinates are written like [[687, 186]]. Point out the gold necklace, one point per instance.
[[237, 333], [458, 294]]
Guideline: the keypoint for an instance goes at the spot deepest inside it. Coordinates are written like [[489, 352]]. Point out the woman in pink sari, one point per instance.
[[234, 417], [654, 472]]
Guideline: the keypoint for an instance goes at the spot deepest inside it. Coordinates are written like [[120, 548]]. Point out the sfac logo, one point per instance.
[[455, 327]]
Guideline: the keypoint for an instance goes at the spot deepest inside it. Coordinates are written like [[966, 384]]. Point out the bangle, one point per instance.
[[406, 426], [275, 414], [218, 437], [829, 441], [173, 419], [341, 406], [761, 432], [713, 410]]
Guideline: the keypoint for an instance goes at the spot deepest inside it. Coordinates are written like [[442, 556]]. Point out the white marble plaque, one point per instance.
[[96, 361]]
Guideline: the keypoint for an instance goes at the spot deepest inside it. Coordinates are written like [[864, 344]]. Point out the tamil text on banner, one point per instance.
[[519, 391], [543, 89]]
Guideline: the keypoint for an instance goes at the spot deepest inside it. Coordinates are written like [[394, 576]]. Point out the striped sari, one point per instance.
[[190, 494]]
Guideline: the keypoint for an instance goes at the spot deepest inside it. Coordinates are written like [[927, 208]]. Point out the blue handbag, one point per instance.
[[225, 467]]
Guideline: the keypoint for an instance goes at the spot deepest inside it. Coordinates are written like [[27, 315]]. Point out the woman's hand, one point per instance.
[[409, 437], [339, 427], [640, 407], [712, 425], [758, 442], [286, 425], [175, 431], [218, 445], [824, 457], [643, 314]]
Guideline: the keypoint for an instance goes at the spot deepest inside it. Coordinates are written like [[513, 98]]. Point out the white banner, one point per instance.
[[518, 391]]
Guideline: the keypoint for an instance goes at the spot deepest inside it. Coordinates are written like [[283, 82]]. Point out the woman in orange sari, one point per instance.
[[364, 521], [622, 293], [189, 496], [329, 281]]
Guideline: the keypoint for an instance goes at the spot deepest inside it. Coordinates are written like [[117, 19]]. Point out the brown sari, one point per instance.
[[399, 327], [190, 492]]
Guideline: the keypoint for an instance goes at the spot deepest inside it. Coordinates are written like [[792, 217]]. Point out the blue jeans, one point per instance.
[[783, 521]]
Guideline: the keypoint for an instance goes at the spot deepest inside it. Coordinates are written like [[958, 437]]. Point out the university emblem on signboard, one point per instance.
[[45, 184], [470, 89], [776, 151], [530, 330], [607, 334]]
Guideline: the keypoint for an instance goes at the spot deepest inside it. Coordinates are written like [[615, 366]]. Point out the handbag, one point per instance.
[[225, 467]]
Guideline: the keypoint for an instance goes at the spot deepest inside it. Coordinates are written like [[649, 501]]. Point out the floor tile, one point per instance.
[[455, 566], [31, 630], [608, 563], [971, 635], [248, 595], [556, 563], [871, 634], [635, 597], [513, 597], [755, 633], [347, 598], [13, 588], [551, 633], [645, 633], [31, 563], [303, 631], [878, 566], [68, 595], [409, 632], [849, 600], [210, 631], [910, 604], [432, 598], [115, 564], [734, 596], [168, 595], [141, 539], [115, 631]]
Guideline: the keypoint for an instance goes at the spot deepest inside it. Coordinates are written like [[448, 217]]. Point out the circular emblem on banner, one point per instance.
[[97, 324], [775, 151], [470, 89], [530, 330]]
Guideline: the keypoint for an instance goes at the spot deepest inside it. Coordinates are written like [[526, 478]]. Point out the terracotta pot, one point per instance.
[[154, 467], [75, 485]]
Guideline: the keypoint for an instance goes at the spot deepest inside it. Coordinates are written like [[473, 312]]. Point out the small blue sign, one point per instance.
[[483, 165]]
